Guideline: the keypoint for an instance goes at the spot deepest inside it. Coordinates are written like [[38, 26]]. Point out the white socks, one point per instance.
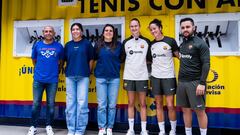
[[161, 127], [188, 131], [173, 125], [203, 131], [131, 124], [143, 125]]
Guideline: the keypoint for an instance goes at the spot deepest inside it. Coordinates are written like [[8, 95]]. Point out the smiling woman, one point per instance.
[[107, 73], [79, 60]]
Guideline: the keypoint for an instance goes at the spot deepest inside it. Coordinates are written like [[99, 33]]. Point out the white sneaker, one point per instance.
[[102, 131], [172, 132], [49, 130], [130, 132], [144, 132], [32, 131], [161, 133], [109, 131]]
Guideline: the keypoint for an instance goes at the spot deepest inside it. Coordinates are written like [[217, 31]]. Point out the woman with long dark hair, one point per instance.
[[79, 56], [107, 73], [163, 80]]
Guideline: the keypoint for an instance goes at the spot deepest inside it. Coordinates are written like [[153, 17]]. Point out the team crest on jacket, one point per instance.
[[125, 85], [190, 47], [142, 46], [164, 47]]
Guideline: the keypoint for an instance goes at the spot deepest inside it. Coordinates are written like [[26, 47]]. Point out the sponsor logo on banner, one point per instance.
[[213, 87]]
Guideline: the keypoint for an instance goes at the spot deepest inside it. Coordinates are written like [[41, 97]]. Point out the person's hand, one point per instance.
[[200, 90]]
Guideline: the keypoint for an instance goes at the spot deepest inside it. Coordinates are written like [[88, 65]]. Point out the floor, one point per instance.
[[20, 130]]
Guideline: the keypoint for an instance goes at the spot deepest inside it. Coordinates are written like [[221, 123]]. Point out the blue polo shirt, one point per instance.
[[77, 56], [47, 57], [108, 61]]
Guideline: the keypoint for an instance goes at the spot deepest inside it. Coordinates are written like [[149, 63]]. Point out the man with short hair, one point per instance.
[[47, 56], [194, 68]]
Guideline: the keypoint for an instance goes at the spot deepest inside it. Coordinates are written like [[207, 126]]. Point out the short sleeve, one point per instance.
[[174, 45], [34, 51], [61, 54], [91, 52]]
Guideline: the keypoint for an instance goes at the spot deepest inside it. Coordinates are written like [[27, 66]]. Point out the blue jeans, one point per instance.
[[107, 93], [38, 89], [77, 104]]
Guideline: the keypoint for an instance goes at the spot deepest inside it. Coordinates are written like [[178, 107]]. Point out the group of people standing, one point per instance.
[[137, 52]]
